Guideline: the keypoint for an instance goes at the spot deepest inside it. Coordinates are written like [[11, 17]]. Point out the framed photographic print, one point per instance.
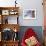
[[29, 14], [5, 12]]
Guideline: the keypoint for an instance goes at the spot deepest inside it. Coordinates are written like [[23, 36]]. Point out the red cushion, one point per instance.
[[29, 33]]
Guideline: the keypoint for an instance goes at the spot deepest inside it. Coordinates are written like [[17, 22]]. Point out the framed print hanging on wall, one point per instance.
[[29, 14]]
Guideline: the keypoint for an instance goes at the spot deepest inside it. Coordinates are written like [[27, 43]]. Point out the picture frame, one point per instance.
[[29, 14], [5, 12]]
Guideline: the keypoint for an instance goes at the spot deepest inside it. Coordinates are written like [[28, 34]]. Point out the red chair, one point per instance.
[[29, 33]]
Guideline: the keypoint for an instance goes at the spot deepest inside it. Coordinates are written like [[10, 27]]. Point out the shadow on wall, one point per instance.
[[37, 29]]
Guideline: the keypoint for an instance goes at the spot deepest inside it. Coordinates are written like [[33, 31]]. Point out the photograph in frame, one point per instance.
[[29, 14]]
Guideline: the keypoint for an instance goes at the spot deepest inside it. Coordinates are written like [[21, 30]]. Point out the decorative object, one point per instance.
[[13, 12], [0, 36], [7, 34], [15, 37], [15, 3], [15, 30], [29, 14], [5, 12], [31, 41], [9, 19], [30, 38], [0, 19], [6, 21]]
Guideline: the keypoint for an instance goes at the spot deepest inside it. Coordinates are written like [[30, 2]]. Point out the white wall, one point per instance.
[[7, 3], [33, 4], [27, 4]]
